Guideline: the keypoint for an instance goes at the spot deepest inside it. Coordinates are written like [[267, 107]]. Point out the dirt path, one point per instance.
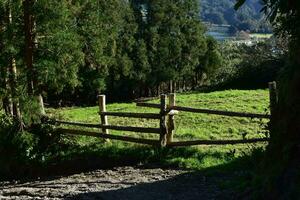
[[119, 183]]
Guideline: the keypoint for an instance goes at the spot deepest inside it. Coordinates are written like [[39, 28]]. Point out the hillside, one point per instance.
[[222, 12]]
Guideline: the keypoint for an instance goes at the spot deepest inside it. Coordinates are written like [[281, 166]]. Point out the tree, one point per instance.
[[10, 30], [174, 38], [282, 162], [39, 52], [210, 61]]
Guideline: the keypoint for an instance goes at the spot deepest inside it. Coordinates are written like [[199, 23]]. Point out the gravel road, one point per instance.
[[124, 183]]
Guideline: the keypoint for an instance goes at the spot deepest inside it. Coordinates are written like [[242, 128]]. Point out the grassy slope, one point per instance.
[[188, 126]]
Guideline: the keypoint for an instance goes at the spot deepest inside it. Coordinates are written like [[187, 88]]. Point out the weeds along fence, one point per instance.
[[166, 119]]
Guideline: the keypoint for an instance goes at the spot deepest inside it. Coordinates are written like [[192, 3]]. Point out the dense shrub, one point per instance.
[[21, 151], [15, 147]]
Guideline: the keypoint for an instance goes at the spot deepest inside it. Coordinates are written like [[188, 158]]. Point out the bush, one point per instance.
[[249, 67], [20, 150], [15, 147]]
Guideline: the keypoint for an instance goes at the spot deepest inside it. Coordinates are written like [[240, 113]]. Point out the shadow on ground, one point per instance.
[[135, 173], [186, 186]]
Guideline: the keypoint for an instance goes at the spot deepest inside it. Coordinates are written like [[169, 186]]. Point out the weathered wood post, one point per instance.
[[163, 124], [102, 108], [273, 97], [171, 118]]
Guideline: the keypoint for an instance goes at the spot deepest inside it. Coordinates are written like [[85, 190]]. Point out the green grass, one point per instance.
[[261, 35], [188, 126]]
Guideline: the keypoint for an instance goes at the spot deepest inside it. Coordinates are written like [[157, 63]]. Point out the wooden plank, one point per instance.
[[113, 127], [145, 99], [219, 112], [273, 97], [207, 111], [171, 118], [148, 105], [132, 115], [163, 122], [109, 136], [80, 124], [132, 129], [102, 108], [216, 142]]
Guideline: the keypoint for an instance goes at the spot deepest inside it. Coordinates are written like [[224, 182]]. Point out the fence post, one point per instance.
[[171, 118], [163, 124], [102, 108], [273, 97]]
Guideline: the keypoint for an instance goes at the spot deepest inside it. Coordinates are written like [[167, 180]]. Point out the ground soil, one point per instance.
[[124, 183]]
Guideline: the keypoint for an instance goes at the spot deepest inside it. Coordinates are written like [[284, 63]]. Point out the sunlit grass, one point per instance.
[[190, 125], [261, 35]]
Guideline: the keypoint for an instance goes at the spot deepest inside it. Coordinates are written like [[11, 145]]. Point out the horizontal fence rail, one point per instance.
[[109, 136], [208, 111], [145, 99], [132, 115], [113, 127], [148, 105], [216, 142], [80, 124], [220, 112], [132, 129]]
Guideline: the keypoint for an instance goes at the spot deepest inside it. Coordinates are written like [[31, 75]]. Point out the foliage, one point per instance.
[[80, 49], [17, 147], [22, 151], [250, 66], [247, 18], [49, 150], [281, 164]]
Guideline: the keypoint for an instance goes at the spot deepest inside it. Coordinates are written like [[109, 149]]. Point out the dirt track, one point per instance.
[[122, 183]]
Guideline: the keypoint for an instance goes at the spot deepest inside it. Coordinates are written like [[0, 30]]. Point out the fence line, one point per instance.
[[166, 117]]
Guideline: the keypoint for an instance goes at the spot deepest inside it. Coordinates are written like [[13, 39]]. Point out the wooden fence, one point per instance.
[[166, 117]]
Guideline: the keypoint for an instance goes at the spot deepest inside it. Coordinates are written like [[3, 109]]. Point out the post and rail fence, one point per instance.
[[166, 117]]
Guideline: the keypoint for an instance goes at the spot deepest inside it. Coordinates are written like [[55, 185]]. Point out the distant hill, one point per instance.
[[248, 17]]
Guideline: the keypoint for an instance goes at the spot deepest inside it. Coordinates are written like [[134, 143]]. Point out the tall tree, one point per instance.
[[9, 55], [98, 24], [174, 38], [57, 46], [282, 162]]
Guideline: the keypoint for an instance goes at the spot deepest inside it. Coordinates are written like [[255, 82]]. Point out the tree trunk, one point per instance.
[[174, 87], [7, 100], [171, 86], [158, 89], [13, 90], [29, 45], [30, 41], [283, 151], [13, 77], [40, 101]]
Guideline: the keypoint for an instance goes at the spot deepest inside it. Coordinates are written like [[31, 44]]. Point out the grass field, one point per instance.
[[261, 35], [188, 126]]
